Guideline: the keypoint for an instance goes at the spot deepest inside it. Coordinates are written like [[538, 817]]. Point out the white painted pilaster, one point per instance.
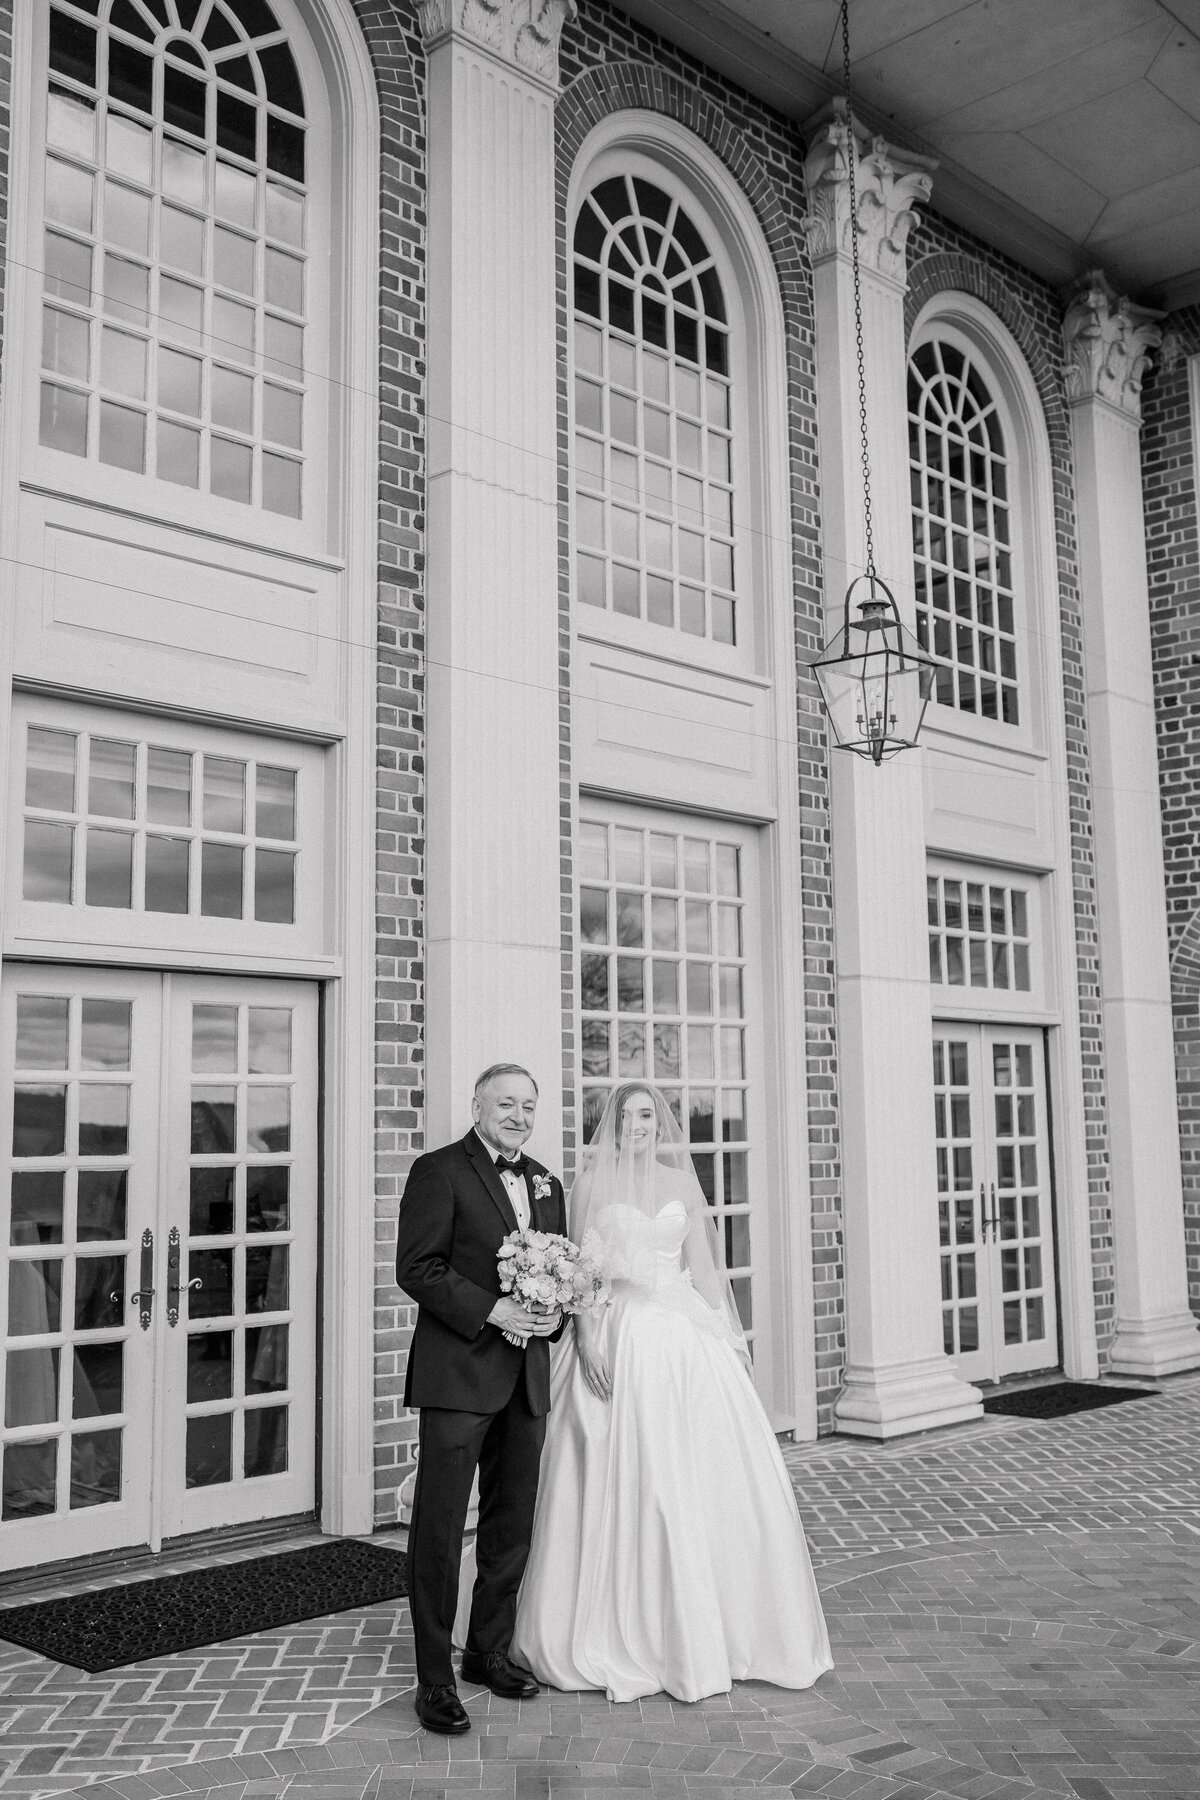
[[897, 1376], [1108, 345], [492, 910]]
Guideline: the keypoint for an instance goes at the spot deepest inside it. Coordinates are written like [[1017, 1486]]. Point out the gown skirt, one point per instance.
[[667, 1549]]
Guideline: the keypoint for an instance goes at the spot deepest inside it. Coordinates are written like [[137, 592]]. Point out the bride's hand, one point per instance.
[[592, 1361]]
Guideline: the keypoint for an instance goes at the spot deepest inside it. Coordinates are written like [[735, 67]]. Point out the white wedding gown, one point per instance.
[[667, 1550]]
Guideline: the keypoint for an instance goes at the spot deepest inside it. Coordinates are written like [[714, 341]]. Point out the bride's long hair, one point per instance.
[[636, 1164]]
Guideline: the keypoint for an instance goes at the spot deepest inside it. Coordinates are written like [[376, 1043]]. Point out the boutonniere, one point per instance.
[[541, 1187]]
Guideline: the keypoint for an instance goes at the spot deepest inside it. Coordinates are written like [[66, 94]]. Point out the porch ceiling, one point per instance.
[[1067, 131]]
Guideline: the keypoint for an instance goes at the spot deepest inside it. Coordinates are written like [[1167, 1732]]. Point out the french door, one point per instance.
[[158, 1209], [994, 1201]]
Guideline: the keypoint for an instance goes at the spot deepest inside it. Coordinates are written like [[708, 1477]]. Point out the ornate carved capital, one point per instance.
[[887, 183], [523, 32], [1108, 342]]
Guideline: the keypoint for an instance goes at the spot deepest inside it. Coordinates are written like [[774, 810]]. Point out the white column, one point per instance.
[[897, 1376], [492, 907], [1108, 344]]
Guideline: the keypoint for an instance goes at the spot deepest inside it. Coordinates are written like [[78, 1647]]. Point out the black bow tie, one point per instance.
[[515, 1165]]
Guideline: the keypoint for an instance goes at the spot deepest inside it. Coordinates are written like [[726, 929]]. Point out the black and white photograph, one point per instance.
[[600, 899]]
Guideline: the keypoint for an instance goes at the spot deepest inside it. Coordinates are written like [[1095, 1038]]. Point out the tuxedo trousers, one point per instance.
[[506, 1447]]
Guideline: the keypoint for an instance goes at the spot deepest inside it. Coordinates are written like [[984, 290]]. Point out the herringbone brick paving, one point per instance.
[[1013, 1607]]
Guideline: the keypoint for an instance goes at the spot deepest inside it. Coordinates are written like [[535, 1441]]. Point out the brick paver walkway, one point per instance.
[[1014, 1608]]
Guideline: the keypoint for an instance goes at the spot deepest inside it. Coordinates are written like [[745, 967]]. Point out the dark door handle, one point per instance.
[[143, 1298], [175, 1287]]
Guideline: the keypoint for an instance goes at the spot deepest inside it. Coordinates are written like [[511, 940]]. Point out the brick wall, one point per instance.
[[391, 35], [609, 64], [1173, 556]]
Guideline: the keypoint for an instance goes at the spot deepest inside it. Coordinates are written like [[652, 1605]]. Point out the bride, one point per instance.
[[667, 1550]]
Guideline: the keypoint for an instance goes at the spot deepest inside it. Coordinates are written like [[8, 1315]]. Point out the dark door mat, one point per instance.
[[1060, 1398], [132, 1621]]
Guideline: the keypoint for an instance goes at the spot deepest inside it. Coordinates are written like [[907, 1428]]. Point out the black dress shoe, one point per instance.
[[493, 1670], [440, 1709]]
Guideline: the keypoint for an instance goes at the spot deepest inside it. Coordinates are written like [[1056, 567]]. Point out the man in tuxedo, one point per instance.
[[483, 1400]]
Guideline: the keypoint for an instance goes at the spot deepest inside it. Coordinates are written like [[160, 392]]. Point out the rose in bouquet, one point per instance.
[[546, 1273]]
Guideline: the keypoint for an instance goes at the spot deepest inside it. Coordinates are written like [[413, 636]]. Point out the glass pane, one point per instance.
[[593, 852], [214, 1039], [221, 881], [106, 1034], [699, 989], [630, 919], [666, 986], [737, 1242], [267, 1201], [208, 1458], [214, 1120], [274, 887], [167, 864], [123, 364], [697, 926], [178, 454], [213, 1299], [593, 915], [31, 1387], [41, 1031], [702, 1064], [39, 1121], [733, 1117], [268, 1118], [95, 1468], [122, 437], [666, 1052], [103, 1120], [266, 1441], [593, 983], [48, 862], [109, 869], [36, 1215], [212, 1195], [209, 1365], [100, 1204], [595, 1047], [266, 1359], [50, 770], [631, 1050], [266, 1278], [224, 794], [275, 803], [178, 389], [63, 420], [627, 847], [664, 923], [99, 1292], [168, 787], [98, 1380], [29, 1479], [701, 1113], [270, 1040]]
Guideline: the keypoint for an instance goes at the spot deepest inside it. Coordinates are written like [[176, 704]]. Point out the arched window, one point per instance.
[[175, 277], [961, 533], [653, 462]]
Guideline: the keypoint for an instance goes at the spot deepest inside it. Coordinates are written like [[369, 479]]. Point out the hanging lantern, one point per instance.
[[874, 677]]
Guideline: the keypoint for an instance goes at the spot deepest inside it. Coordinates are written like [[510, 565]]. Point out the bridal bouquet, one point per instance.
[[546, 1272]]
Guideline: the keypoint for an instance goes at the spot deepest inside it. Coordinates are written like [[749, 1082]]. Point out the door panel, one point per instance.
[[998, 1302], [80, 1058], [159, 1312], [241, 1366]]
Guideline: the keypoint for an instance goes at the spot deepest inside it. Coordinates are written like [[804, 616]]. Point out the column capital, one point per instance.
[[887, 181], [524, 33], [1108, 340]]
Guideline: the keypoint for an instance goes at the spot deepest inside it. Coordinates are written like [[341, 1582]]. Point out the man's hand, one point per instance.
[[517, 1321]]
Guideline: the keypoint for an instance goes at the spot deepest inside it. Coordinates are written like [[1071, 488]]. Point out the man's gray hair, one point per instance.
[[494, 1070]]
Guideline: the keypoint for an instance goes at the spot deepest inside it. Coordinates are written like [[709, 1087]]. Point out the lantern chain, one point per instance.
[[851, 154]]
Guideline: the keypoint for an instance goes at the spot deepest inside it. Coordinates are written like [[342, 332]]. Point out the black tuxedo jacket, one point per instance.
[[454, 1215]]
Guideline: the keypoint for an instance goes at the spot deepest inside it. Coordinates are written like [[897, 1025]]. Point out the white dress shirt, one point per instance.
[[517, 1190]]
